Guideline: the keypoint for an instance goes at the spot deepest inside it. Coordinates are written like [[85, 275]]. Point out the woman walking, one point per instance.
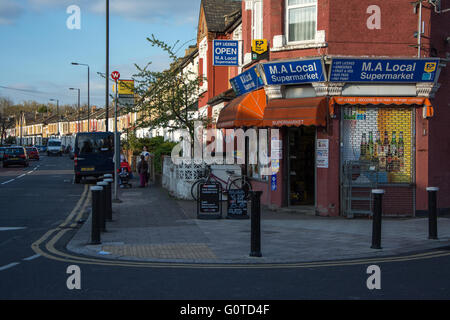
[[142, 170]]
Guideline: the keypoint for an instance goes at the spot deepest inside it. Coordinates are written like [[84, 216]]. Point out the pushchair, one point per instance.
[[125, 175]]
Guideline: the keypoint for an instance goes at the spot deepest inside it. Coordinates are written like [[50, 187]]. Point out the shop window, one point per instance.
[[301, 20], [255, 171], [382, 137]]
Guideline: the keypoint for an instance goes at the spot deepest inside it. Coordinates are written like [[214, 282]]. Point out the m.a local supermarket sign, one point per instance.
[[294, 72], [383, 70]]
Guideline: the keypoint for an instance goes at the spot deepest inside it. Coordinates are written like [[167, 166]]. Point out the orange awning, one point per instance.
[[244, 111], [296, 112], [386, 101]]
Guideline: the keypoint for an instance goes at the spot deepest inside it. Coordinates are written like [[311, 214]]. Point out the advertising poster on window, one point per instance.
[[382, 136], [322, 153]]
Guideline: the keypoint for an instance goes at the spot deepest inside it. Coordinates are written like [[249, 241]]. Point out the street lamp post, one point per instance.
[[78, 129], [89, 106], [107, 67]]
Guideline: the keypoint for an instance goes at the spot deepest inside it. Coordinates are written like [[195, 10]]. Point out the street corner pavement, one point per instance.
[[150, 225]]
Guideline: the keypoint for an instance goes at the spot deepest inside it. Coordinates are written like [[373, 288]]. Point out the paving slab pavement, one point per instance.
[[150, 225]]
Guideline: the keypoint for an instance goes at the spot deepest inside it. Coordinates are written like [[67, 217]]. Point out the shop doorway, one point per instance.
[[301, 166]]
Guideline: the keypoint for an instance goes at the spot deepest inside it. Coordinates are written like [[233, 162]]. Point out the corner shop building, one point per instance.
[[346, 127]]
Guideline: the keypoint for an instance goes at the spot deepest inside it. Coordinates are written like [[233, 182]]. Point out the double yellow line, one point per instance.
[[45, 246]]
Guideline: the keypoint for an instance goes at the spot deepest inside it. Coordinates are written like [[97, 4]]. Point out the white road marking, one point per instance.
[[22, 175], [8, 181], [32, 257], [11, 228], [9, 266], [30, 172]]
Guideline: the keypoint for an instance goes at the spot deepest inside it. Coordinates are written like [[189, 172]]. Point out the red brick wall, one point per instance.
[[439, 137], [327, 188], [348, 33]]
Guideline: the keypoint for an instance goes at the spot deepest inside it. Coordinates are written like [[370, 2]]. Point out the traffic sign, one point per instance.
[[115, 75]]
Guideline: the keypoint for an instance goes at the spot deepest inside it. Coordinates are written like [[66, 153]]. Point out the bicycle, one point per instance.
[[233, 182]]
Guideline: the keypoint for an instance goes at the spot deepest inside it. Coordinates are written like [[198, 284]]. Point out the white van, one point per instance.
[[54, 147]]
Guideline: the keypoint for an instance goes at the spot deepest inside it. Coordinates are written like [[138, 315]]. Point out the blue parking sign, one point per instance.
[[226, 53]]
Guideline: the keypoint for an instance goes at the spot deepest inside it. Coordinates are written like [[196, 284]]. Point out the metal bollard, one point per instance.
[[96, 207], [432, 212], [103, 206], [377, 212], [255, 241], [109, 199]]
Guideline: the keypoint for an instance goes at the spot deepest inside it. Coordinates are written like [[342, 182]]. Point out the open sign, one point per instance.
[[226, 53]]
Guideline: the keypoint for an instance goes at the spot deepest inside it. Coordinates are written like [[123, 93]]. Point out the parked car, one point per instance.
[[15, 156], [54, 147], [33, 153], [93, 154], [2, 152], [41, 148]]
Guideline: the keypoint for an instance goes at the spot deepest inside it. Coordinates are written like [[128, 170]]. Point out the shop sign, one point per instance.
[[260, 49], [294, 72], [276, 149], [247, 81], [237, 204], [322, 153], [383, 70], [209, 203], [226, 53], [273, 182]]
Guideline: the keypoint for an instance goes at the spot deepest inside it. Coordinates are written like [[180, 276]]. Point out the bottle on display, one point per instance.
[[401, 152], [376, 146], [394, 153], [370, 146], [387, 150], [383, 154], [363, 148]]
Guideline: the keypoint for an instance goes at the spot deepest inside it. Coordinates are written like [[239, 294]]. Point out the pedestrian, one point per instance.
[[146, 155], [142, 170]]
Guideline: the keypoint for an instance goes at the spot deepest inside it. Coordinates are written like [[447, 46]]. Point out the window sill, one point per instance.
[[296, 46]]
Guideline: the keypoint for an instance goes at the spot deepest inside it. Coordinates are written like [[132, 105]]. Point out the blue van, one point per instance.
[[93, 154]]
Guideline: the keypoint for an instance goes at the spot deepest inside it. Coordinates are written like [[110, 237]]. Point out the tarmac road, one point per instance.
[[36, 204]]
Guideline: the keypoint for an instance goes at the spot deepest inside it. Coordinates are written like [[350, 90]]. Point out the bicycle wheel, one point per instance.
[[194, 188], [241, 183]]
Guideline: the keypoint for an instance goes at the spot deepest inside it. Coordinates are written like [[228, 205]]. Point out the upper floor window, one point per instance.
[[257, 19], [301, 20]]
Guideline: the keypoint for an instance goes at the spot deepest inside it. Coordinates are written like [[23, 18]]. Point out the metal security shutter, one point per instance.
[[377, 146]]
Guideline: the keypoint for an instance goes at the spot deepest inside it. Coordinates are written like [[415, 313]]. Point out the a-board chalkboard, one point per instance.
[[209, 203], [237, 204]]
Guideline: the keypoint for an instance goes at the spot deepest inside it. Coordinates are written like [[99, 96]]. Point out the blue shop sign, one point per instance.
[[247, 81], [226, 53], [383, 70], [273, 182], [294, 72]]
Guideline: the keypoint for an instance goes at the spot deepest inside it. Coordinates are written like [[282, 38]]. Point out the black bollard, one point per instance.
[[377, 212], [103, 206], [255, 241], [108, 199], [432, 212], [96, 207]]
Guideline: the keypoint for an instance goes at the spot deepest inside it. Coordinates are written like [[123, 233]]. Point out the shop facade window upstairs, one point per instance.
[[257, 19], [301, 20]]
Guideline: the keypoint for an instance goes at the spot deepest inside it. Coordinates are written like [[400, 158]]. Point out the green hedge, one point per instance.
[[156, 145]]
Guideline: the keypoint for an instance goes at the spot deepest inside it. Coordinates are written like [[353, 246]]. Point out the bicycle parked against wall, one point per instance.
[[233, 182]]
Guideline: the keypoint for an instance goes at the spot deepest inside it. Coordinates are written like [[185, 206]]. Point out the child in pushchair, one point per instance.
[[125, 175]]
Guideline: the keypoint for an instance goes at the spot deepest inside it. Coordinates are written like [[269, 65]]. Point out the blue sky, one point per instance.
[[37, 47]]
